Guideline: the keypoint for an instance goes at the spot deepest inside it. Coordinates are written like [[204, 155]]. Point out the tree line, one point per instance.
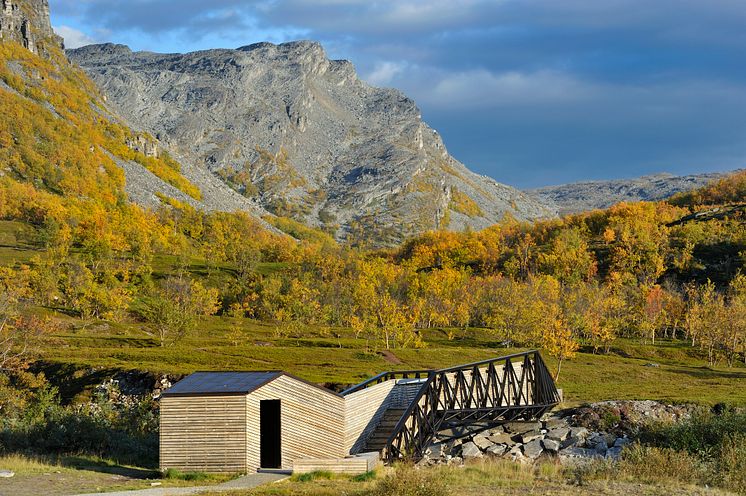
[[629, 271]]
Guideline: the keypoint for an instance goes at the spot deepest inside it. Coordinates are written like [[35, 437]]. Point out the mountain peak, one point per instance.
[[105, 49], [305, 137]]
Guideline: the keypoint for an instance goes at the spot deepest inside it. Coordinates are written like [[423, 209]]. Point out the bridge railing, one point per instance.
[[387, 376], [517, 386]]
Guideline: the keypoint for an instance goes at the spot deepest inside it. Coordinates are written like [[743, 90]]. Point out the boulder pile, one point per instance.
[[599, 430]]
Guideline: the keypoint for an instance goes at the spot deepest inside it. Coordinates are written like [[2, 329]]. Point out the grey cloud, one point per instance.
[[158, 17]]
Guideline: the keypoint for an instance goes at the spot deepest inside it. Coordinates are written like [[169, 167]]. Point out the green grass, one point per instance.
[[335, 357], [173, 474], [312, 476], [18, 243]]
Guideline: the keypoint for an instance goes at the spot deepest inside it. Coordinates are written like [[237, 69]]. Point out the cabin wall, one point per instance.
[[203, 433], [312, 422], [363, 412]]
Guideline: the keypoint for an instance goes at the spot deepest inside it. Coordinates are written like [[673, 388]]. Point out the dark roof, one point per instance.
[[221, 383]]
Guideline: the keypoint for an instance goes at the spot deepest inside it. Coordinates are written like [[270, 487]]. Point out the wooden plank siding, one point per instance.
[[363, 412], [312, 422], [203, 433], [352, 465]]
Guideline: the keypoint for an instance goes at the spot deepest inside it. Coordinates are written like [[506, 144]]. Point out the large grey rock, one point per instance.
[[7, 474], [621, 441], [576, 452], [501, 438], [579, 432], [497, 450], [551, 445], [533, 449], [470, 450], [558, 434], [527, 437], [455, 432], [552, 423], [597, 441], [482, 442], [521, 427], [570, 441], [438, 450], [301, 134], [614, 453]]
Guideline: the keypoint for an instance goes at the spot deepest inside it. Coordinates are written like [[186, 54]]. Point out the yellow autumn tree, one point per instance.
[[380, 298]]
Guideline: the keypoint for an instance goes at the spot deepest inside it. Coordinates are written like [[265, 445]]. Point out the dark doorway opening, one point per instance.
[[270, 434]]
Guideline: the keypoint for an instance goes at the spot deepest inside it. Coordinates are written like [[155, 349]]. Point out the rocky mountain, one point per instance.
[[27, 23], [303, 137], [591, 195]]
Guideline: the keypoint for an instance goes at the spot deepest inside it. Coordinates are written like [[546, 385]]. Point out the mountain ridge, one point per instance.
[[304, 137], [581, 196]]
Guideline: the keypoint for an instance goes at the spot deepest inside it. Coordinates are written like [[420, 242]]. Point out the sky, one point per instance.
[[529, 92]]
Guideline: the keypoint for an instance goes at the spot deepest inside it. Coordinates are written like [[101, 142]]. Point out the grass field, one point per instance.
[[669, 371]]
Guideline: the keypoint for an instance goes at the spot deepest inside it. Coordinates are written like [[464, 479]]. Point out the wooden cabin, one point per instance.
[[244, 421]]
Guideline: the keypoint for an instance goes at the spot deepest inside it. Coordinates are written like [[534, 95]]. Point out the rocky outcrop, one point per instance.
[[144, 145], [303, 136], [591, 195], [600, 430], [27, 22]]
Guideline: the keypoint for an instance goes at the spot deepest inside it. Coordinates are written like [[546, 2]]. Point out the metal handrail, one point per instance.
[[391, 374], [386, 376], [486, 362]]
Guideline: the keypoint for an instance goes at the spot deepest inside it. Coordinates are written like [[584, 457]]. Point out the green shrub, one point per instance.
[[312, 476], [174, 474], [707, 449], [126, 434], [648, 463], [365, 477], [731, 463], [702, 435]]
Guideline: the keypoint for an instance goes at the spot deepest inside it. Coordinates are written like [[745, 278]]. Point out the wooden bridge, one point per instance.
[[448, 402]]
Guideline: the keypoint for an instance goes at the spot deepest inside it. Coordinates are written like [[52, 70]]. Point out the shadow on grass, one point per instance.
[[108, 467], [708, 373]]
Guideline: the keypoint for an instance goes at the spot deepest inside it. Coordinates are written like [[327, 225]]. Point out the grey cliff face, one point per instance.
[[27, 22], [303, 136], [590, 195]]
